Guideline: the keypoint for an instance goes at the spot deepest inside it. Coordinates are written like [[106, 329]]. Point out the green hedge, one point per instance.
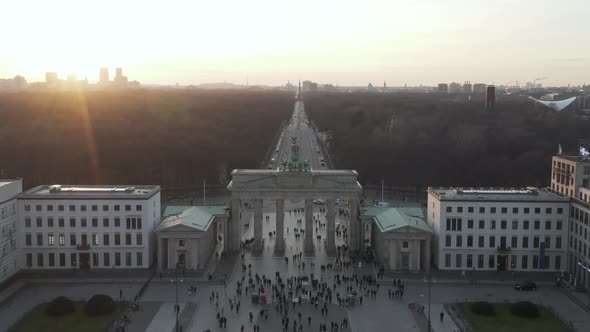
[[100, 304], [524, 309], [483, 308], [60, 306]]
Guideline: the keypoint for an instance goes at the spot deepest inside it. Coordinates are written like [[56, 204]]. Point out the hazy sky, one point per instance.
[[271, 42]]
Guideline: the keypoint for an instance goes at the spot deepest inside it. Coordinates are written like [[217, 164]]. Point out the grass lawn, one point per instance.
[[504, 321], [36, 320]]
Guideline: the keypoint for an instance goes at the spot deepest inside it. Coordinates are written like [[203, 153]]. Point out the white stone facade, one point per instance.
[[90, 227], [498, 230], [9, 189]]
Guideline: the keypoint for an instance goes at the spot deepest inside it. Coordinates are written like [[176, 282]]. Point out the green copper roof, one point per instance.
[[196, 217], [390, 218]]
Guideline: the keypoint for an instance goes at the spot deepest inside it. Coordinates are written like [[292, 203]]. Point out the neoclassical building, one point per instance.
[[400, 237], [188, 235]]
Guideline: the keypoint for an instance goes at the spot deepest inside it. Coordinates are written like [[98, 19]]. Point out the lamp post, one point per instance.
[[176, 281], [429, 287]]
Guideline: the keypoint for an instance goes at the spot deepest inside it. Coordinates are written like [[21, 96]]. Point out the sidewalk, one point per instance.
[[474, 277]]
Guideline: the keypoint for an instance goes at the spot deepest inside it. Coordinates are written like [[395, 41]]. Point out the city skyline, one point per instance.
[[331, 42]]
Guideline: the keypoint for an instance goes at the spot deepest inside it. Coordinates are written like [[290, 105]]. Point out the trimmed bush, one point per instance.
[[524, 309], [100, 304], [483, 308], [60, 306]]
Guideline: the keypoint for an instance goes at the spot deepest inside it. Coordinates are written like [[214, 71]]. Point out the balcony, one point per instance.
[[83, 247], [503, 249]]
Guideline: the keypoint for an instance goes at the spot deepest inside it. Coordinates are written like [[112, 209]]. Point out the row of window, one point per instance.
[[74, 208], [580, 247], [579, 215], [503, 243], [59, 260], [456, 224], [492, 262], [106, 239], [130, 222], [7, 211], [504, 210], [581, 230]]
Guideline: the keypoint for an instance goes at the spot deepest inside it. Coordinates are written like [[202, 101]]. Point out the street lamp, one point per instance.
[[176, 281], [429, 287]]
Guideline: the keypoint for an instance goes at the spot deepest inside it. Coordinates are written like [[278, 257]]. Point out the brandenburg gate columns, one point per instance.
[[354, 233], [309, 247], [234, 226], [280, 237], [331, 227], [258, 225]]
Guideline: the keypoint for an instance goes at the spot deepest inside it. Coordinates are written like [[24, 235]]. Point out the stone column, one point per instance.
[[427, 256], [417, 255], [160, 252], [362, 236], [226, 236], [171, 253], [393, 254], [280, 223], [258, 245], [412, 260], [309, 247], [331, 228], [235, 235], [353, 232]]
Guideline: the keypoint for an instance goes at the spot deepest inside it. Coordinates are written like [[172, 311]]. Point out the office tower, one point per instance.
[[103, 75], [490, 98]]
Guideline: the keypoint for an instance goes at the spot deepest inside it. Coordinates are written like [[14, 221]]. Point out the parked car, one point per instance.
[[526, 285]]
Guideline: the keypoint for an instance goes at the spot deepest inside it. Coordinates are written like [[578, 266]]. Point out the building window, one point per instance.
[[514, 224], [480, 259], [548, 225], [94, 239], [492, 261], [128, 259], [117, 222], [514, 210], [83, 222], [82, 207], [50, 239], [405, 244], [459, 209], [504, 210], [447, 260], [51, 259], [535, 262], [61, 222], [117, 259], [40, 260], [470, 209], [537, 224], [469, 260], [94, 222], [29, 260], [95, 259], [483, 210], [117, 207], [139, 258], [492, 224], [138, 208], [513, 262], [559, 225], [62, 240], [449, 209], [536, 242], [527, 210], [138, 239], [39, 239], [105, 208], [62, 259], [492, 241], [458, 260], [459, 241], [525, 224], [524, 262], [127, 239], [537, 210], [128, 208], [558, 242], [105, 222], [181, 242], [470, 241], [503, 224], [514, 242], [558, 262], [49, 221], [60, 207], [548, 210], [28, 222], [39, 222], [106, 260], [38, 208], [72, 239], [559, 210], [105, 239], [72, 208], [94, 207], [73, 260], [27, 207], [28, 240], [480, 241], [482, 224], [470, 224], [72, 222], [117, 239]]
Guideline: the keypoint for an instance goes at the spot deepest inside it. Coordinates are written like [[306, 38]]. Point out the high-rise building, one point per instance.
[[490, 97], [454, 88], [103, 75], [443, 87], [479, 88], [467, 86], [51, 78]]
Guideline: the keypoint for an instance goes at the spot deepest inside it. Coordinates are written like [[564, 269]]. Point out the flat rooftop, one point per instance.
[[496, 194], [90, 192], [4, 182], [575, 158]]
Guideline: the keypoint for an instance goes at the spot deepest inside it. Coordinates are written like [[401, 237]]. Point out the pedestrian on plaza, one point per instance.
[[442, 316]]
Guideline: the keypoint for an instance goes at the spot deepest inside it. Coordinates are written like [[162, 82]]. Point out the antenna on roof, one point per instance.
[[559, 150]]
